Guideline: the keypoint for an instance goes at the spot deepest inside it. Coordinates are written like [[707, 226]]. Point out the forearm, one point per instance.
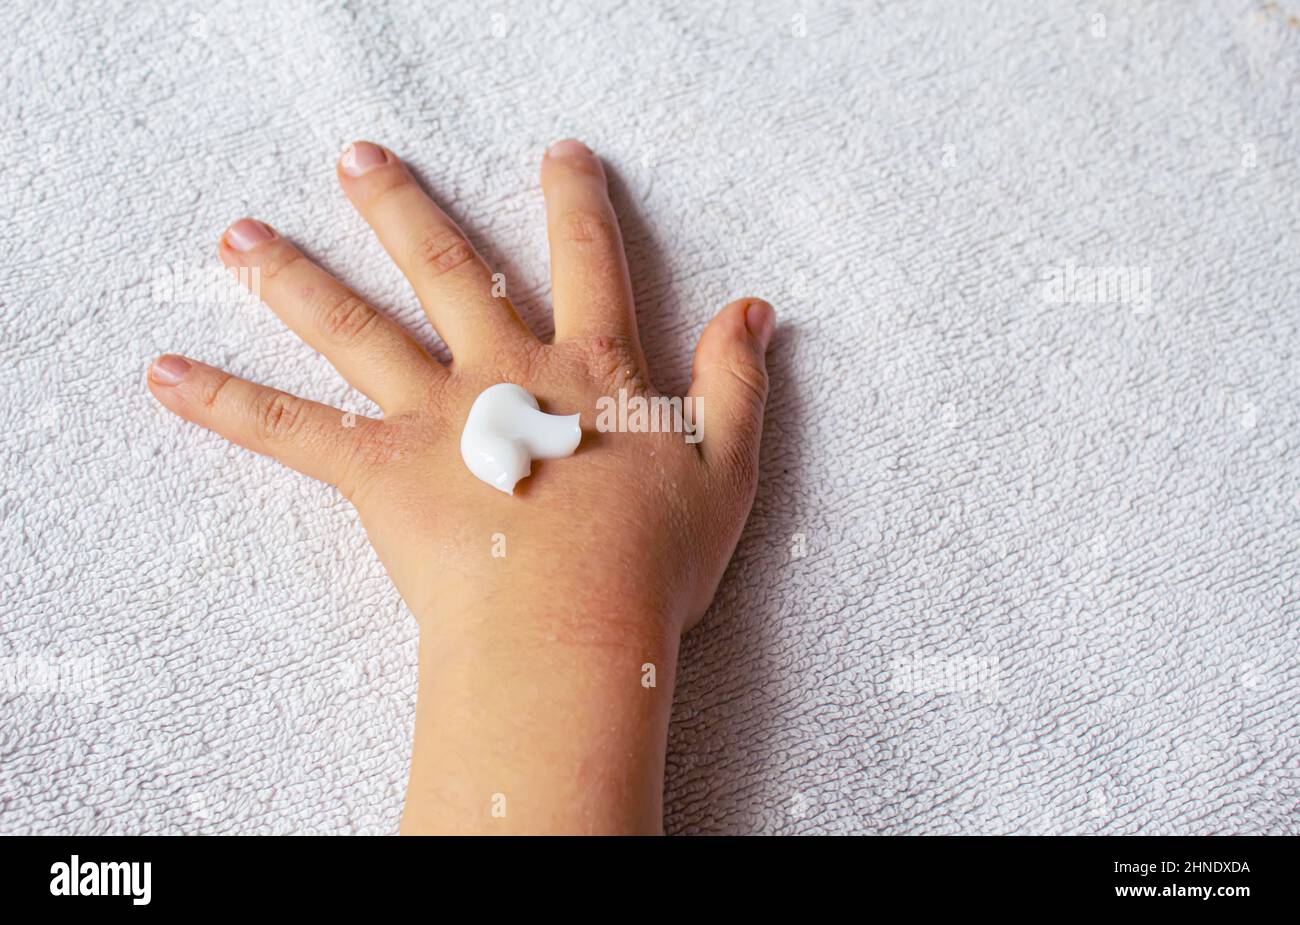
[[523, 728]]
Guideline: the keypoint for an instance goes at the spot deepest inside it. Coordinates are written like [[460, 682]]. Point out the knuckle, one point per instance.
[[279, 416], [752, 377], [587, 229], [443, 252], [744, 466], [381, 185], [347, 317], [612, 362], [279, 258], [377, 446], [374, 447], [582, 168], [212, 392], [740, 467]]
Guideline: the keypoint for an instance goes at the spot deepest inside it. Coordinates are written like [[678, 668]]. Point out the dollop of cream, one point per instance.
[[506, 431]]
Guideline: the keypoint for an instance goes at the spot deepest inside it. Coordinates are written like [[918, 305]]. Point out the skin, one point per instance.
[[535, 713]]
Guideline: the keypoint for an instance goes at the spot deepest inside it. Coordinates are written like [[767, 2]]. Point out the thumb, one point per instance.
[[730, 377]]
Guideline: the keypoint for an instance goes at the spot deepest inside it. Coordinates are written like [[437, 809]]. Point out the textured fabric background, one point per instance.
[[1014, 566]]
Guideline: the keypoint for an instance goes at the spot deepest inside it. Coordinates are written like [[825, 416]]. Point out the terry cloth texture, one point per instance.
[[1024, 552]]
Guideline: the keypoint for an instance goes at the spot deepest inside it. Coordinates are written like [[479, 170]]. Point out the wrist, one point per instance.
[[541, 718], [554, 613]]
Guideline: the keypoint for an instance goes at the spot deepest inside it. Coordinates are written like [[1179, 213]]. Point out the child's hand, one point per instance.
[[596, 564]]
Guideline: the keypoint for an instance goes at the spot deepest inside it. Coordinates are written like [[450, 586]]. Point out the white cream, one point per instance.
[[506, 431]]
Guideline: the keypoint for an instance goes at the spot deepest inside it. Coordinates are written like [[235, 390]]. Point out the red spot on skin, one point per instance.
[[306, 291]]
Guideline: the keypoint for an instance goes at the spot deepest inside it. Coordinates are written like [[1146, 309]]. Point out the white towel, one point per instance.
[[1016, 564]]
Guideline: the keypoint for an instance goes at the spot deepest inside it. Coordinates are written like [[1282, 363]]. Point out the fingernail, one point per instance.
[[169, 370], [761, 321], [247, 233], [361, 156], [568, 148]]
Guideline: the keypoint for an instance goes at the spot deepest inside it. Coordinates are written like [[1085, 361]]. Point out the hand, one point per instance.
[[601, 559]]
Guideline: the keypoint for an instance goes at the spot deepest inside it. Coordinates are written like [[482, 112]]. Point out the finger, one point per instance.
[[730, 377], [370, 351], [589, 281], [452, 282], [313, 438]]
